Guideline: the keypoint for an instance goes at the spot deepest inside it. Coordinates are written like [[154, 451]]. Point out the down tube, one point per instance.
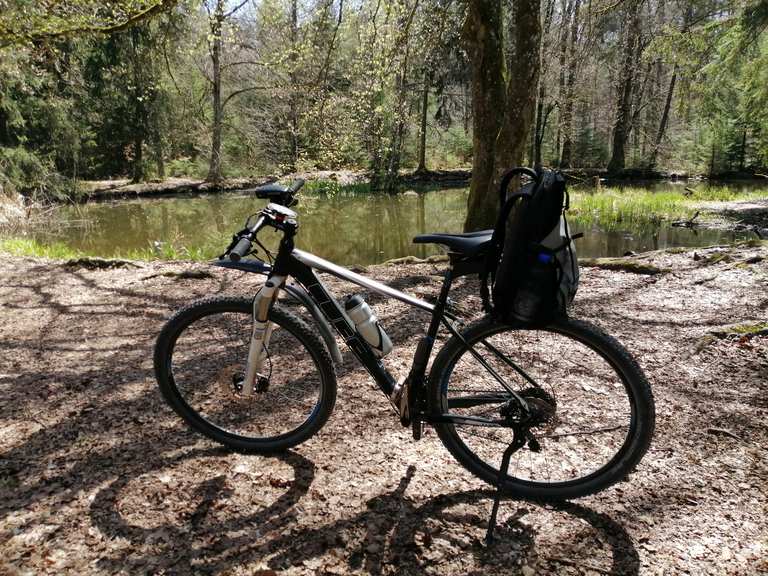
[[333, 312]]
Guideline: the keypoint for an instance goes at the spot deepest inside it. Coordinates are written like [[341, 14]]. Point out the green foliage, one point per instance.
[[344, 90], [21, 170], [23, 21], [187, 167]]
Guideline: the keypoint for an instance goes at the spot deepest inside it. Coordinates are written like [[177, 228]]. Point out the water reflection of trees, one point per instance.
[[346, 228]]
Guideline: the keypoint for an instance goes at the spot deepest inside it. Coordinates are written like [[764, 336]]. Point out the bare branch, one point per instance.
[[243, 91], [243, 63], [235, 9]]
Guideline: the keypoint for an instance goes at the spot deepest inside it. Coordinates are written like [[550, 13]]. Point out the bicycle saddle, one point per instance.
[[468, 244]]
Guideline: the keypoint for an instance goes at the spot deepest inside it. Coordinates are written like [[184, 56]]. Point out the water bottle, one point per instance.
[[530, 294], [367, 325]]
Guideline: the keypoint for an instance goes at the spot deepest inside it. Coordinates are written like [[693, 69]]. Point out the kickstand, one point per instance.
[[516, 444]]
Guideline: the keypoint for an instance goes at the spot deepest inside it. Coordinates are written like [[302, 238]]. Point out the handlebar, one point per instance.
[[296, 185], [240, 250], [243, 245], [276, 215]]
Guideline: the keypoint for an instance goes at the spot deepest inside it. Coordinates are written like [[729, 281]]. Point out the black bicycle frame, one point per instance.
[[300, 265]]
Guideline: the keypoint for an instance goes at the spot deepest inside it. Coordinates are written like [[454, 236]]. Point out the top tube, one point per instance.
[[340, 272]]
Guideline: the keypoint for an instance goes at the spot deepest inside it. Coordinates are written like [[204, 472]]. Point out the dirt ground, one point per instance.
[[98, 476]]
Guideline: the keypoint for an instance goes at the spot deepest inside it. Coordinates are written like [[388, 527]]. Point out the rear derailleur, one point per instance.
[[541, 408]]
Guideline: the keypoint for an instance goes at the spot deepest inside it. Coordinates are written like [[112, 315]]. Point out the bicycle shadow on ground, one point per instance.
[[393, 535], [446, 533]]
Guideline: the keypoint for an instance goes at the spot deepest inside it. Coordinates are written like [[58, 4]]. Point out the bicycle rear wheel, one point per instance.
[[599, 406], [200, 363]]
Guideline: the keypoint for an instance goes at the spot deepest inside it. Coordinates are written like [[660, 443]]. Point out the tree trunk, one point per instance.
[[499, 146], [539, 129], [565, 158], [138, 155], [422, 167], [743, 151], [293, 98], [139, 122], [664, 120], [521, 90], [541, 120], [623, 122], [562, 58], [483, 35], [214, 170], [159, 159], [398, 131]]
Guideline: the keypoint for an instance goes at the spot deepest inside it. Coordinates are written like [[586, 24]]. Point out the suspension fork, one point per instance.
[[262, 330]]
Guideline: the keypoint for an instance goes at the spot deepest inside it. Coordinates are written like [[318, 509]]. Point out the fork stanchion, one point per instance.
[[517, 443]]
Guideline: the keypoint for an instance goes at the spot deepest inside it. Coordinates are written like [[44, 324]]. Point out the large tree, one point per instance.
[[503, 100]]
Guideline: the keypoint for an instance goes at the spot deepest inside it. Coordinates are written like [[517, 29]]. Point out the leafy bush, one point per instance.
[[24, 172], [187, 168]]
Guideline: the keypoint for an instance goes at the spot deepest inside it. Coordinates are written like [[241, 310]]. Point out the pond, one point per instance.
[[347, 228]]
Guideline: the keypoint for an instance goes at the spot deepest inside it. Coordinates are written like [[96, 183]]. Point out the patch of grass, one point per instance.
[[30, 247], [613, 208], [717, 257], [167, 252], [60, 251], [753, 243], [332, 188]]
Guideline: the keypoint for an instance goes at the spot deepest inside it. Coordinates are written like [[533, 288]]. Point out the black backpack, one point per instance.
[[531, 266]]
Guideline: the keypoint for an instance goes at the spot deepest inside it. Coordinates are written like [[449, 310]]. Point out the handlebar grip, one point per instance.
[[296, 185], [240, 250]]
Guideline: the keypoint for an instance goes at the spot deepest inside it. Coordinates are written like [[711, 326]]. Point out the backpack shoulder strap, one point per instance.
[[499, 231]]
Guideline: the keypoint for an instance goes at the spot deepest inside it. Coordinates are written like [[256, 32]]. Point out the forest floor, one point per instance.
[[98, 476]]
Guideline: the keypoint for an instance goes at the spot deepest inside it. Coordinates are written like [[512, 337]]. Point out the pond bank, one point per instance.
[[378, 227], [97, 475], [124, 188]]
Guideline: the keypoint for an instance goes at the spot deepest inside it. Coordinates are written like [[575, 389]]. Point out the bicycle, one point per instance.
[[566, 405]]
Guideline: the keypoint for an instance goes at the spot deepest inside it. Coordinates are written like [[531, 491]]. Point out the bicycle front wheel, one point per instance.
[[597, 407], [200, 361]]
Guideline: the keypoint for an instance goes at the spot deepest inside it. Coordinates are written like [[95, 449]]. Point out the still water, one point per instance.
[[346, 228]]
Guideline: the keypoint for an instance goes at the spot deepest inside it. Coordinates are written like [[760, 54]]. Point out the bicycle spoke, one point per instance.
[[582, 432], [578, 419]]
